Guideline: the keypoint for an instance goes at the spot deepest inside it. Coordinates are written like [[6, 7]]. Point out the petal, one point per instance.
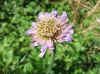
[[60, 40], [28, 32], [42, 42], [64, 26], [54, 13], [34, 38], [47, 14], [64, 16], [35, 44], [34, 25], [40, 16], [50, 44], [68, 38], [69, 26], [60, 36], [64, 22], [67, 29], [71, 32], [43, 50]]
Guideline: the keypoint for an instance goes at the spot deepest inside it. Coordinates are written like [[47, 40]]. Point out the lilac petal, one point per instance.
[[71, 32], [64, 37], [28, 32], [54, 13], [50, 44], [34, 38], [51, 48], [68, 38], [64, 26], [43, 50], [64, 16], [33, 23], [67, 29], [40, 16], [42, 42], [47, 15], [64, 22], [70, 26], [34, 26], [60, 36], [35, 44], [60, 40]]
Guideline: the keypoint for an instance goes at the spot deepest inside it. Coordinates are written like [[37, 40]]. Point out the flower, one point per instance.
[[50, 28]]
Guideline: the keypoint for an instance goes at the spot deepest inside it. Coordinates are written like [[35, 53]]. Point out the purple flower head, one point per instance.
[[50, 28]]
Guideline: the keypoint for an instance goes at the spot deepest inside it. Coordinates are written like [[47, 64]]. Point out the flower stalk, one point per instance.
[[95, 9]]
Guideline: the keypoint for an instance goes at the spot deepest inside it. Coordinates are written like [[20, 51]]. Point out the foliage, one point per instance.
[[82, 56]]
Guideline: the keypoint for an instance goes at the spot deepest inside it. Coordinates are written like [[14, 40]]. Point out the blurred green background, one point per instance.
[[82, 56]]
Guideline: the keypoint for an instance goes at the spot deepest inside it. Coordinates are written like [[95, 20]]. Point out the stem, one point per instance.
[[95, 9], [76, 12], [51, 63], [89, 13], [75, 4]]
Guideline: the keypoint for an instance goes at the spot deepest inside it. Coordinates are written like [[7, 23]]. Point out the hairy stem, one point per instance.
[[95, 9], [76, 12], [89, 13], [75, 7], [51, 64]]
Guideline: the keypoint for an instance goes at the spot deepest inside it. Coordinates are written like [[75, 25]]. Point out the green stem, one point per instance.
[[52, 58], [51, 64]]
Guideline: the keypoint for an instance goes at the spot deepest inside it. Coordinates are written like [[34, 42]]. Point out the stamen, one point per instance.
[[48, 27]]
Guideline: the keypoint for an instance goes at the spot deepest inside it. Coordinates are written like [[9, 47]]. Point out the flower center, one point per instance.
[[48, 27]]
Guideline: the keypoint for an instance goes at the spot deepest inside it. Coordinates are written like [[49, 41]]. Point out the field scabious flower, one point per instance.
[[50, 28]]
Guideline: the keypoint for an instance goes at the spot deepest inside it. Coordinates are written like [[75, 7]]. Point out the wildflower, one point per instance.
[[50, 28]]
